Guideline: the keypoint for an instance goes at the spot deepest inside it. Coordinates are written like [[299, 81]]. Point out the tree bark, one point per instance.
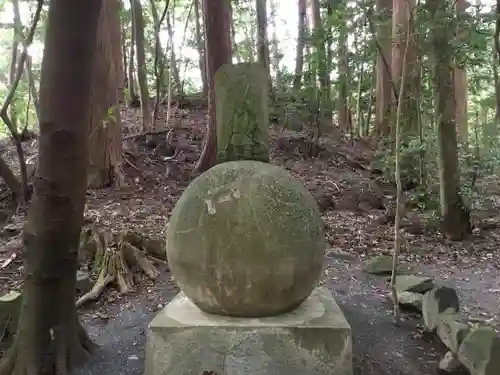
[[344, 121], [301, 42], [116, 36], [460, 78], [49, 338], [10, 180], [105, 154], [496, 62], [262, 39], [14, 59], [141, 64], [382, 128], [319, 44], [133, 99], [456, 217], [217, 18]]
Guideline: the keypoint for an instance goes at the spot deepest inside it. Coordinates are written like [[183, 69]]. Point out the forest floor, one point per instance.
[[354, 202]]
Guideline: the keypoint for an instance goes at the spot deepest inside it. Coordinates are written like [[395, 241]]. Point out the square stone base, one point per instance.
[[314, 339]]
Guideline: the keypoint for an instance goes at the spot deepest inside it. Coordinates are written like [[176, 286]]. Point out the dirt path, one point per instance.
[[380, 348]]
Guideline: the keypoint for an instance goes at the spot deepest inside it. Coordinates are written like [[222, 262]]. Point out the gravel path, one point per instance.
[[380, 347]]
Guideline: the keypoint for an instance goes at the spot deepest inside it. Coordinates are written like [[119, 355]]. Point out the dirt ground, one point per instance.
[[354, 201]]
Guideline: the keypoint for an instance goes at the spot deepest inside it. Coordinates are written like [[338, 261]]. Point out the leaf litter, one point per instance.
[[355, 201]]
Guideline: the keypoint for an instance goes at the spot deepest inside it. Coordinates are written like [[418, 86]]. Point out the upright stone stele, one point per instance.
[[242, 111], [245, 243]]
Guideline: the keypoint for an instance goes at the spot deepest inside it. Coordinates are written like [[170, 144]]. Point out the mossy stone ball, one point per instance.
[[246, 239]]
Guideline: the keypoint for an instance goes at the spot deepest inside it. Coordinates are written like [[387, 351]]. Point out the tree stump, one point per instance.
[[115, 258]]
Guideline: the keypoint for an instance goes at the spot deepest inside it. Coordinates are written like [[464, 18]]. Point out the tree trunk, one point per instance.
[[301, 41], [10, 180], [32, 86], [496, 62], [116, 37], [382, 128], [460, 79], [402, 15], [343, 69], [174, 70], [49, 338], [141, 64], [319, 44], [105, 135], [201, 48], [456, 217], [14, 59], [262, 39], [217, 18], [132, 94]]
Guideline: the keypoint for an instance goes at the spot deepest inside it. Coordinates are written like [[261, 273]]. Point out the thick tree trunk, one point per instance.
[[49, 338], [217, 18], [319, 45], [105, 137], [343, 69], [116, 37], [141, 64], [456, 217], [133, 99], [382, 128], [301, 41], [460, 79], [262, 39]]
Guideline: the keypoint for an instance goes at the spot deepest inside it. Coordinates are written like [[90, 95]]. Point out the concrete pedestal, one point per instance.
[[314, 339]]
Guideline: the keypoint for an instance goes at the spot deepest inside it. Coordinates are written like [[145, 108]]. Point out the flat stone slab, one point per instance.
[[314, 339]]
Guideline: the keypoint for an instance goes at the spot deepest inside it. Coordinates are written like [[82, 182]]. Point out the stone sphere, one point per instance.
[[246, 240]]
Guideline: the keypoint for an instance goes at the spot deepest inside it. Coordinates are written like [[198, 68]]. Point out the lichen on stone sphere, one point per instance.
[[246, 239]]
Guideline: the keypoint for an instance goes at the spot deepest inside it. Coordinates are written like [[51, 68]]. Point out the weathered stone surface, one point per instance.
[[413, 283], [242, 110], [379, 265], [246, 239], [314, 339], [480, 351], [449, 363], [436, 301], [10, 305], [410, 300], [451, 330]]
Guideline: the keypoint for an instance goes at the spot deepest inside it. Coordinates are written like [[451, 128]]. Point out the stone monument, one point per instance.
[[245, 243]]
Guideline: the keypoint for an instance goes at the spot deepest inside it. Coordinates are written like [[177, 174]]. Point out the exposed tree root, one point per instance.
[[67, 353], [115, 258]]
